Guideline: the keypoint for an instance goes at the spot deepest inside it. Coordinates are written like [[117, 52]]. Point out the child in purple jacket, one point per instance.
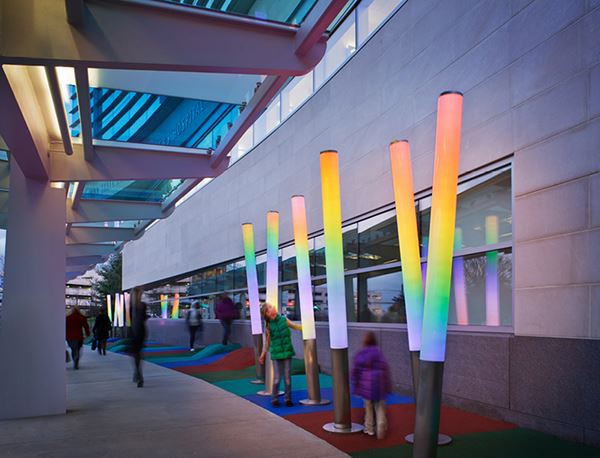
[[371, 381]]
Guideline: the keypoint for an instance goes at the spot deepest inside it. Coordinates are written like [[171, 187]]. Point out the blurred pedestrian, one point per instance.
[[75, 325], [138, 327], [226, 312], [371, 381], [194, 322], [101, 330]]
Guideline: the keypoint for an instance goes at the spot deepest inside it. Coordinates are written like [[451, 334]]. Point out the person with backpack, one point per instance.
[[194, 322]]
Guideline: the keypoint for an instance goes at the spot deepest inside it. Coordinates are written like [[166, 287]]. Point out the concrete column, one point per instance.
[[32, 324]]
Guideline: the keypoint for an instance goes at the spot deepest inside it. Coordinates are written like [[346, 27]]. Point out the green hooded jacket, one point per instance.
[[281, 341]]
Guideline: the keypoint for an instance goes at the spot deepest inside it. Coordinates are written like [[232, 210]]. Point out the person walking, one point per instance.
[[371, 381], [278, 341], [75, 325], [194, 322], [226, 312], [138, 327], [101, 331]]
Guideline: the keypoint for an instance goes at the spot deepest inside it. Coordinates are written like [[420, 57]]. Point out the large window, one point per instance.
[[481, 289]]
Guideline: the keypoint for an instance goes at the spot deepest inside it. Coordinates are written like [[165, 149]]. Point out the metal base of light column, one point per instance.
[[257, 340], [442, 439], [257, 382], [267, 393], [269, 375], [429, 403], [311, 368], [311, 402], [339, 429], [342, 419]]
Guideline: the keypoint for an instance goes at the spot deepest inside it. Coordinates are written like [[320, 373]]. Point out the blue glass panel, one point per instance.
[[147, 191], [138, 117], [286, 11]]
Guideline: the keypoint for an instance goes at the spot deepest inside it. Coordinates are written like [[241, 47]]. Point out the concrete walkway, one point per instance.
[[174, 415]]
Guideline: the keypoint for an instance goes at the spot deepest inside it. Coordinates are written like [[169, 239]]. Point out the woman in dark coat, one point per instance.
[[101, 330]]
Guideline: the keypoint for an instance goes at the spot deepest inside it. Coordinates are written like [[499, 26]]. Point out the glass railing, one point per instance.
[[146, 191]]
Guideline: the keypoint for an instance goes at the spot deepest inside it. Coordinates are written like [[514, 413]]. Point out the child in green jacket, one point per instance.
[[279, 341]]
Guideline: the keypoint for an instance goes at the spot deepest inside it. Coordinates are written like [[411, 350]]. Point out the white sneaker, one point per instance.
[[370, 433], [191, 349]]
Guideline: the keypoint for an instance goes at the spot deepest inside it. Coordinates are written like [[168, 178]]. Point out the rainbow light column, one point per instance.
[[272, 279], [109, 307], [309, 332], [164, 306], [492, 293], [127, 300], [439, 274], [459, 283], [175, 311], [253, 298], [406, 219], [336, 294], [118, 310], [424, 253], [303, 267]]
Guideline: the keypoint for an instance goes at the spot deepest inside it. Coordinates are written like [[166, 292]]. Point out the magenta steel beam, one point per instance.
[[17, 135], [79, 187], [308, 39], [137, 34], [96, 210], [59, 109], [79, 234], [112, 163], [85, 112]]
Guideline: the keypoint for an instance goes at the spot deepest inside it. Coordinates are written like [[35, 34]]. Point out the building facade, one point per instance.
[[524, 334]]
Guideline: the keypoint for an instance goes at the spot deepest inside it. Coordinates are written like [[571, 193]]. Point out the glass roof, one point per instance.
[[138, 117], [124, 224], [287, 11], [146, 191]]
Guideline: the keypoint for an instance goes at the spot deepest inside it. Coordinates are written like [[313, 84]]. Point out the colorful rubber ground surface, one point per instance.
[[232, 368]]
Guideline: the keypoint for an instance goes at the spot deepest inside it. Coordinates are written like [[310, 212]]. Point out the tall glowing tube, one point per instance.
[[127, 300], [273, 259], [334, 250], [118, 311], [109, 307], [459, 283], [164, 306], [441, 232], [303, 267], [252, 278], [409, 241], [439, 275], [175, 311], [492, 293]]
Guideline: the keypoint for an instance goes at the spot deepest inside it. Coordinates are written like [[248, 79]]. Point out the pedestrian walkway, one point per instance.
[[174, 415]]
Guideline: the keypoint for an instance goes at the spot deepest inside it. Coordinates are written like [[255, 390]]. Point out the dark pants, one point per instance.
[[226, 330], [193, 330], [101, 346], [282, 366], [136, 352], [75, 346]]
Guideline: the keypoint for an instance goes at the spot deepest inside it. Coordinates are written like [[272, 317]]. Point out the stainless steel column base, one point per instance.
[[311, 402], [342, 419], [343, 429], [257, 339], [269, 375], [311, 367], [442, 439], [429, 403]]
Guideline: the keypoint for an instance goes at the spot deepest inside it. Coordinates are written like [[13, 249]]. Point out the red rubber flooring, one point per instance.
[[234, 361], [454, 422]]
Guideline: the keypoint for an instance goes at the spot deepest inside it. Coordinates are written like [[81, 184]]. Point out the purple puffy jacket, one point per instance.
[[370, 374]]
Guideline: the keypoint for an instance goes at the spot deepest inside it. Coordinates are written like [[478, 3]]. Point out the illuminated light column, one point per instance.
[[336, 294], [253, 298], [118, 311], [272, 281], [412, 275], [492, 293], [109, 307], [439, 274], [424, 255], [175, 311], [309, 332], [164, 306], [127, 299], [459, 282]]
